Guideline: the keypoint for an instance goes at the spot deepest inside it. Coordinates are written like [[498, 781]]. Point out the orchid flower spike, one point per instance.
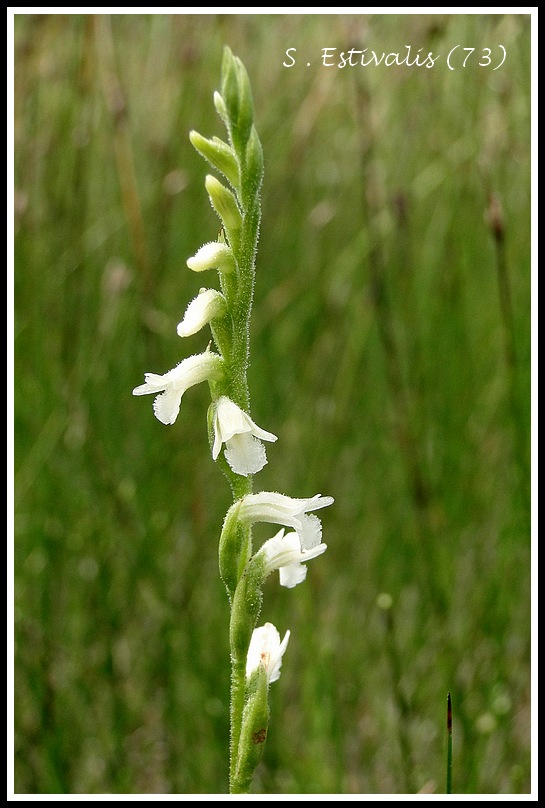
[[242, 437], [283, 510], [172, 385], [266, 649], [284, 553]]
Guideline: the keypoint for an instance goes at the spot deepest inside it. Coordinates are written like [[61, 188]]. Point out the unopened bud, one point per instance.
[[213, 255], [219, 154], [207, 306], [224, 203]]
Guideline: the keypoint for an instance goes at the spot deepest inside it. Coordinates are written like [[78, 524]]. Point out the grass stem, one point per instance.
[[449, 745]]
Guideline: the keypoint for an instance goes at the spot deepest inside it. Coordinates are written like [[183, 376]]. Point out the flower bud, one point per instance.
[[234, 536], [221, 108], [219, 155], [229, 86], [208, 305], [266, 651], [254, 164], [245, 608], [246, 105], [225, 204], [213, 255], [237, 96]]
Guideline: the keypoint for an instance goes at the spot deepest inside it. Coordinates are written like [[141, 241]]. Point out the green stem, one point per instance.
[[244, 251], [238, 685], [449, 745], [242, 163]]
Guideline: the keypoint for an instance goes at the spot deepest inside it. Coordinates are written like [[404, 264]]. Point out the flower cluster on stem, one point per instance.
[[236, 441]]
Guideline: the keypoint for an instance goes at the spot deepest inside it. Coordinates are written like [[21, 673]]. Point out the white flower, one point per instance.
[[267, 650], [212, 255], [282, 510], [242, 437], [208, 304], [172, 385], [284, 553]]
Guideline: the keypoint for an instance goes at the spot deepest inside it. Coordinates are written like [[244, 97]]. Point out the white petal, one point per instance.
[[245, 454], [167, 405], [154, 384], [316, 502], [261, 433], [292, 574], [274, 669], [267, 506], [230, 419], [284, 553], [271, 502], [232, 426], [310, 532], [143, 390], [280, 551], [156, 380], [307, 555], [193, 370], [217, 441], [272, 507]]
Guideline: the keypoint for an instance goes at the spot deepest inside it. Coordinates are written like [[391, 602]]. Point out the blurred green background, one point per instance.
[[390, 353]]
